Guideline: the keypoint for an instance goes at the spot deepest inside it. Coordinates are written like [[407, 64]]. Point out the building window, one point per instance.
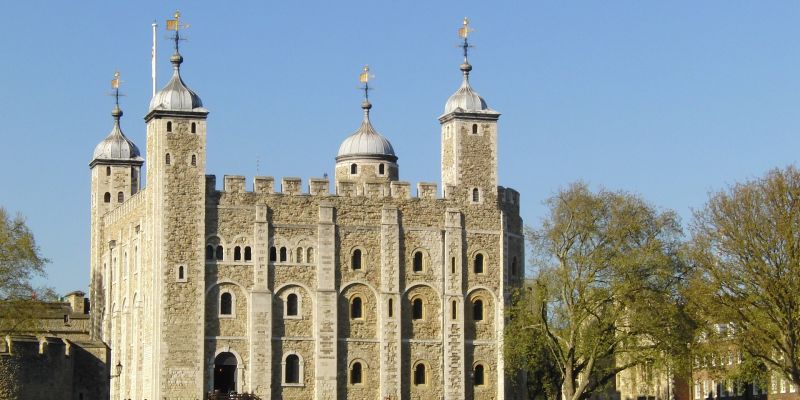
[[169, 126], [453, 265], [391, 308], [478, 264], [273, 254], [226, 304], [310, 255], [291, 305], [120, 197], [419, 374], [477, 310], [194, 127], [381, 169], [209, 252], [474, 129], [220, 253], [355, 260], [355, 374], [416, 309], [299, 255], [454, 310], [248, 254], [237, 253], [353, 169], [108, 171], [291, 372], [181, 274], [476, 195], [418, 259], [194, 160], [283, 254], [478, 375], [107, 198], [166, 159], [356, 308]]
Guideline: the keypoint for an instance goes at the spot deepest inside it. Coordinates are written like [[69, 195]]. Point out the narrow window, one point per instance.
[[419, 374], [381, 169], [209, 252], [273, 254], [353, 169], [299, 258], [248, 254], [107, 198], [169, 126], [355, 260], [514, 266], [166, 159], [225, 304], [478, 375], [454, 310], [477, 310], [355, 308], [180, 272], [66, 319], [478, 265], [194, 160], [416, 309], [391, 308], [291, 305], [120, 197], [355, 373], [194, 127], [474, 129], [453, 265], [108, 171], [220, 253], [310, 255], [476, 195], [283, 254], [237, 253], [292, 372], [418, 261]]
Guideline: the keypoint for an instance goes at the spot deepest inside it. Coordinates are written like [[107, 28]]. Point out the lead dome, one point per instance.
[[466, 99], [116, 146], [366, 142], [176, 96]]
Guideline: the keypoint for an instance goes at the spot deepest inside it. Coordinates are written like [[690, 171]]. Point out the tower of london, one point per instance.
[[360, 288]]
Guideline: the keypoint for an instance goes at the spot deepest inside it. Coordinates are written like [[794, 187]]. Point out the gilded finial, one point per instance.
[[175, 25], [364, 78], [115, 86], [463, 33]]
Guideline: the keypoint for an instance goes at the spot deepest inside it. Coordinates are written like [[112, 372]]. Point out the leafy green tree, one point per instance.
[[20, 260], [746, 253], [608, 269]]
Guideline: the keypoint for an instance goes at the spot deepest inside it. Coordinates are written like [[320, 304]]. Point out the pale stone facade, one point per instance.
[[362, 292]]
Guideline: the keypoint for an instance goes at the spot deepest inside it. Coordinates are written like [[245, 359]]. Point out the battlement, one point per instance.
[[132, 203]]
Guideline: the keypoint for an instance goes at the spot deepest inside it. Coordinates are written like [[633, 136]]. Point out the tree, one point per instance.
[[746, 253], [607, 270], [20, 261]]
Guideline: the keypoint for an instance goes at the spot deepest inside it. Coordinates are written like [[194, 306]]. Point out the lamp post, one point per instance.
[[118, 370]]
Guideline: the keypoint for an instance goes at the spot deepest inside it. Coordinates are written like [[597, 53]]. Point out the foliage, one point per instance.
[[608, 269], [746, 253]]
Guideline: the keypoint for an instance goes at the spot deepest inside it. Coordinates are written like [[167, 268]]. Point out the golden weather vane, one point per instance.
[[175, 25], [463, 33], [115, 85], [364, 78]]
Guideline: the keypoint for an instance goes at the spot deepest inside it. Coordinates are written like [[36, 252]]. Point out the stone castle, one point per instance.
[[364, 291]]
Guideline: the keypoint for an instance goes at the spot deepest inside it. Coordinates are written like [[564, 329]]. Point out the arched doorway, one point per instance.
[[225, 372]]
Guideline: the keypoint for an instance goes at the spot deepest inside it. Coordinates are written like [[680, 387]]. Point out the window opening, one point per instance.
[[353, 169], [108, 171], [418, 261], [226, 304], [476, 195], [220, 253], [453, 265], [209, 252], [391, 308], [419, 374], [310, 255], [453, 310], [355, 308], [355, 373], [194, 127], [477, 310], [273, 254], [416, 309], [474, 129], [107, 198], [169, 126], [166, 159], [248, 254], [237, 253], [381, 169], [355, 260], [180, 272], [478, 267], [478, 375], [283, 254], [292, 372], [194, 160], [120, 197], [291, 305], [299, 255]]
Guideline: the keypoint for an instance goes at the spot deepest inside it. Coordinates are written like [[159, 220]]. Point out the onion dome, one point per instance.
[[366, 142], [176, 96], [465, 99], [116, 146]]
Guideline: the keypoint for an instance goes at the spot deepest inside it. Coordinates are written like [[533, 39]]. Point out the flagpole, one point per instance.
[[153, 60]]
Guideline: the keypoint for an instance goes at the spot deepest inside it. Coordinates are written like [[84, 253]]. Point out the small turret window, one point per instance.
[[209, 252], [355, 260], [108, 171], [181, 273], [478, 375], [476, 195], [120, 197], [169, 126], [355, 308], [167, 159], [273, 254], [237, 253], [283, 254], [478, 264], [248, 254], [107, 198], [474, 129], [381, 169], [194, 127], [416, 309], [226, 304], [291, 305], [220, 253], [391, 308], [194, 160], [418, 262], [353, 169], [477, 310]]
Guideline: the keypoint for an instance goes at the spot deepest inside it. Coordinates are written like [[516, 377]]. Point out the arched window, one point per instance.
[[248, 254], [477, 310], [418, 259], [181, 274], [310, 255], [419, 374], [478, 375], [355, 308], [353, 169], [474, 129], [108, 171], [194, 160], [226, 304], [478, 264], [237, 253], [166, 159], [355, 260], [292, 369], [107, 198], [355, 373], [273, 254], [194, 127], [416, 309], [299, 255], [220, 253], [391, 308], [169, 126], [209, 252], [291, 305], [381, 169], [283, 254], [476, 195], [454, 310], [120, 197]]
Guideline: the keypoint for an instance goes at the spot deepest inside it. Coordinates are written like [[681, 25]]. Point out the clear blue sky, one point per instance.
[[665, 99]]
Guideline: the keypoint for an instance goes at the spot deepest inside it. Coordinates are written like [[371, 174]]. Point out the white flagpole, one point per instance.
[[153, 61]]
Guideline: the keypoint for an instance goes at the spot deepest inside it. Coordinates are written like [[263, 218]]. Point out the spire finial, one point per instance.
[[364, 78], [463, 33], [175, 25], [117, 112]]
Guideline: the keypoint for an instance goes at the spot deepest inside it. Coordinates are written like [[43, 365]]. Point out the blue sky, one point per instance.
[[669, 100]]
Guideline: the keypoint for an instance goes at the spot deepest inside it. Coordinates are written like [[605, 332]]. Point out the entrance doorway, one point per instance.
[[225, 373]]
